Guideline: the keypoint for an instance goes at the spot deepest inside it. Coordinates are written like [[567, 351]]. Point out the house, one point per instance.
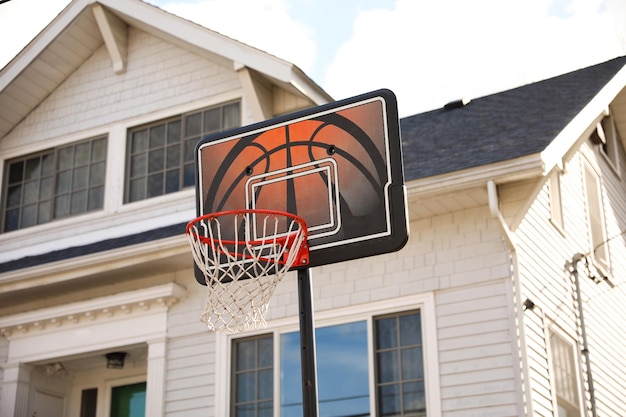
[[506, 301]]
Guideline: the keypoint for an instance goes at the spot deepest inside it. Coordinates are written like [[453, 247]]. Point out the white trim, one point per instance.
[[424, 302]]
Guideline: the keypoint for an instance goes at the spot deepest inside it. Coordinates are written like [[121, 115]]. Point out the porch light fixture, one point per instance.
[[115, 360]]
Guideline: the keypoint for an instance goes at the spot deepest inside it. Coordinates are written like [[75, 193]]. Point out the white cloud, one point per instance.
[[432, 52], [264, 24]]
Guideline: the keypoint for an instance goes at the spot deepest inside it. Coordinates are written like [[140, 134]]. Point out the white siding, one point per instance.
[[543, 253]]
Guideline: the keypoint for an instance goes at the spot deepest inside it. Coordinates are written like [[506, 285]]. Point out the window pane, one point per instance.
[[190, 175], [386, 333], [173, 132], [96, 174], [138, 165], [64, 181], [246, 355], [157, 136], [33, 166], [139, 141], [246, 387], [98, 150], [413, 398], [82, 154], [389, 399], [47, 167], [265, 382], [16, 172], [410, 330], [173, 156], [31, 192], [45, 188], [155, 185], [96, 198], [388, 366], [412, 366], [156, 160], [231, 116], [79, 202], [246, 410], [61, 206], [80, 178], [190, 148], [266, 352], [172, 181], [193, 124], [29, 215], [12, 220], [14, 197], [137, 189], [212, 120], [266, 409], [129, 401], [65, 158], [43, 215]]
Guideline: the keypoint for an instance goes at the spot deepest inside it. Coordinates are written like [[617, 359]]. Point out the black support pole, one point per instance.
[[307, 344]]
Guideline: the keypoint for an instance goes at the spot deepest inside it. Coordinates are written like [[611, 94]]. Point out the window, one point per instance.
[[348, 383], [564, 376], [253, 377], [54, 184], [556, 208], [595, 218], [160, 156], [400, 366]]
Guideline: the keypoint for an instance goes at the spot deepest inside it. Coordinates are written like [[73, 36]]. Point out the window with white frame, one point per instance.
[[54, 184], [160, 155], [595, 218], [368, 366], [565, 376], [556, 207]]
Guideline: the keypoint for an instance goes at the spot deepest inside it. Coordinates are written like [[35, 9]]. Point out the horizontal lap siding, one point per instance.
[[476, 350], [190, 370], [543, 254]]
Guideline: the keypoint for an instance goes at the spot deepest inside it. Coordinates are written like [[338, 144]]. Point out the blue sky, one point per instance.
[[427, 52]]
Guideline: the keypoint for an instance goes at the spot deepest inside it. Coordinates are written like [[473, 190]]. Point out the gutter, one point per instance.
[[509, 237]]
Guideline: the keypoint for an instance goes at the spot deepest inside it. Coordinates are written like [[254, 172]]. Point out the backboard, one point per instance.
[[338, 166]]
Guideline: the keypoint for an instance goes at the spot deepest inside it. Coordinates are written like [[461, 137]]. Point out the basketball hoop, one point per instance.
[[243, 255]]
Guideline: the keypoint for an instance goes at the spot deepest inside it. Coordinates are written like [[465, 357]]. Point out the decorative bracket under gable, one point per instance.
[[115, 34]]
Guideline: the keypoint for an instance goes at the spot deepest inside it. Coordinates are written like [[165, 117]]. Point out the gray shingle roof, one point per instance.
[[501, 126]]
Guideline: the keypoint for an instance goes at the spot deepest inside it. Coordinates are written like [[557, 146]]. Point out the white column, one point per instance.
[[155, 389], [15, 390]]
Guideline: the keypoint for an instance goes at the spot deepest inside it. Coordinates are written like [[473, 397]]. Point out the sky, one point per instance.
[[429, 52]]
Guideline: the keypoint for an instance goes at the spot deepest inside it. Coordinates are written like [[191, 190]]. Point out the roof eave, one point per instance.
[[531, 166]]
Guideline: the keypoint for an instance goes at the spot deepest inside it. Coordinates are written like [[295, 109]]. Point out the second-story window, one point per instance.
[[53, 184], [160, 156]]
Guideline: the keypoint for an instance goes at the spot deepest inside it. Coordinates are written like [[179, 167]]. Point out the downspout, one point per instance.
[[583, 332], [494, 209]]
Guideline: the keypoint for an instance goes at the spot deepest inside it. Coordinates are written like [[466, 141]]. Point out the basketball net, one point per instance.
[[243, 255]]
